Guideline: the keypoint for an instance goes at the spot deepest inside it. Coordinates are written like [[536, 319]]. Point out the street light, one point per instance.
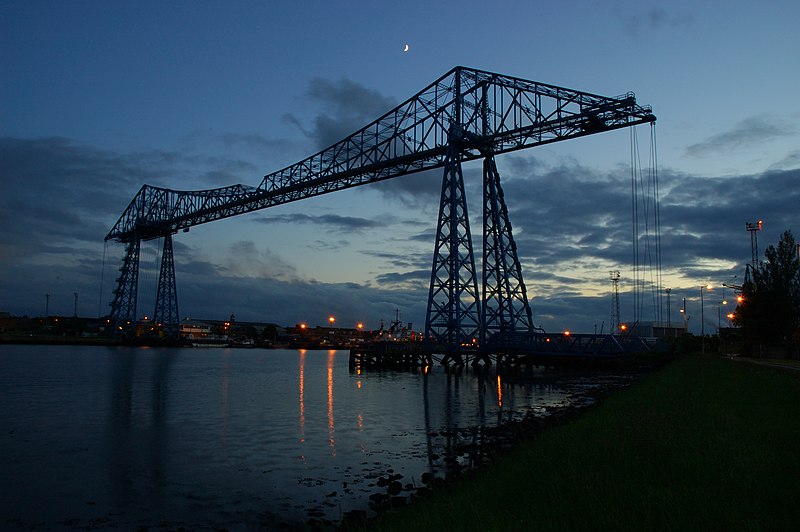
[[702, 321], [331, 320]]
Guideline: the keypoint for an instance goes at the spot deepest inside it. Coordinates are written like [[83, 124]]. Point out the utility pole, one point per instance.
[[685, 318], [75, 309], [47, 306], [669, 322]]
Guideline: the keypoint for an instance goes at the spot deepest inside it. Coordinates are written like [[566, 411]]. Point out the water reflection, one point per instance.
[[499, 392], [130, 435], [302, 389], [218, 438], [331, 428]]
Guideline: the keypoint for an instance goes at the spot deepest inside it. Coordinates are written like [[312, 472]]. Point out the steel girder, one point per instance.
[[123, 307], [166, 313], [485, 112], [505, 304], [453, 316]]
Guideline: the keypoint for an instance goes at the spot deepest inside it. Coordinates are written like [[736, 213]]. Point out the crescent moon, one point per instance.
[[405, 48]]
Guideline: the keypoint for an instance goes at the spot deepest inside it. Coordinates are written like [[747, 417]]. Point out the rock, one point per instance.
[[395, 488]]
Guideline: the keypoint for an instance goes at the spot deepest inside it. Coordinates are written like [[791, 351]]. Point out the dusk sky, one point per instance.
[[98, 98]]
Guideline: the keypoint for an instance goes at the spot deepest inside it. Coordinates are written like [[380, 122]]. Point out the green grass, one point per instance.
[[703, 444]]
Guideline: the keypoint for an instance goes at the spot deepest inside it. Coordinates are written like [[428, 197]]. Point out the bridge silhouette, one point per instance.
[[464, 115]]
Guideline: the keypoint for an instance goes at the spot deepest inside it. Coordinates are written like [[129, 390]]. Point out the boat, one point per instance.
[[212, 340]]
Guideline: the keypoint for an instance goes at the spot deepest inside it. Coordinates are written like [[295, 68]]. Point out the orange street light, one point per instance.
[[331, 319], [302, 325], [566, 333], [360, 325]]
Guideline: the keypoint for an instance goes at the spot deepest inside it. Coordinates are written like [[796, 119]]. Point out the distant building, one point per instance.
[[192, 330], [657, 329]]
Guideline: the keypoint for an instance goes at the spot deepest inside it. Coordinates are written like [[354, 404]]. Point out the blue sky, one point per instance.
[[98, 98]]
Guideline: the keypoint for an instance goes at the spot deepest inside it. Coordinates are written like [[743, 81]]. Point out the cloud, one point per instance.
[[287, 303], [244, 259], [792, 160], [656, 19], [571, 225], [420, 191], [416, 277], [748, 132], [55, 190], [347, 106], [330, 222]]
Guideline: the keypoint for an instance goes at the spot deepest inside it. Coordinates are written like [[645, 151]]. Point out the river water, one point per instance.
[[124, 437]]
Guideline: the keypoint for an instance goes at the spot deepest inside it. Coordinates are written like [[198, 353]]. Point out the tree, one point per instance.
[[770, 311]]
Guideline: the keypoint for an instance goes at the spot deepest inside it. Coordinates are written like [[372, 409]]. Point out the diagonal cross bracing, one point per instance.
[[453, 315], [465, 115], [506, 310], [486, 112]]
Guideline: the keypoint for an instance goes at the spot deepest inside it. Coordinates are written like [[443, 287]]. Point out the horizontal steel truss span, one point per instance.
[[479, 112]]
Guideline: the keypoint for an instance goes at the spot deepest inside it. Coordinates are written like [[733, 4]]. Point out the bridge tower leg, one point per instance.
[[505, 307], [453, 315], [123, 307], [166, 312]]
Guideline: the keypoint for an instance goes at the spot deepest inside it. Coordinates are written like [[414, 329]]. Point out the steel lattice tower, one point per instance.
[[464, 115], [123, 307], [505, 302], [453, 315], [166, 313]]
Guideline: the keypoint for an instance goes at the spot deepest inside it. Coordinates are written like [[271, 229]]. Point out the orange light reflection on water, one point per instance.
[[499, 392], [302, 384], [331, 430]]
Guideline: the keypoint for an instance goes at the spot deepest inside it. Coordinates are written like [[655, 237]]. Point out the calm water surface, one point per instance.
[[126, 437]]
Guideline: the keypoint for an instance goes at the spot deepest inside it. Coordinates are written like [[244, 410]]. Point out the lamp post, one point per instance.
[[702, 320], [669, 322]]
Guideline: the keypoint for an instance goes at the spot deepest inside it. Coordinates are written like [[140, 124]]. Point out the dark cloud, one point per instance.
[[656, 19], [419, 191], [792, 160], [347, 106], [282, 302], [576, 220], [55, 191], [750, 131], [399, 259], [571, 224], [418, 278], [330, 222]]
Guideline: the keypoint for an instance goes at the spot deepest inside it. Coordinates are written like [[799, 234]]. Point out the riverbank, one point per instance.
[[704, 443]]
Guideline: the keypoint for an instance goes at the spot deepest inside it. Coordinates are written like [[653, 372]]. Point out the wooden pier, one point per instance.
[[537, 350]]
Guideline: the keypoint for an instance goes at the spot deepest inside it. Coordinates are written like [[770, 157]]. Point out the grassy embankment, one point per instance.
[[703, 444]]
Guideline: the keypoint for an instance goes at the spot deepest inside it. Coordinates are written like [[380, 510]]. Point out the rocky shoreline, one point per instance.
[[463, 450]]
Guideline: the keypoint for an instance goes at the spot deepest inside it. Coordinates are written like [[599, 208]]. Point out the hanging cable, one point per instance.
[[102, 277], [647, 276], [657, 212], [639, 211]]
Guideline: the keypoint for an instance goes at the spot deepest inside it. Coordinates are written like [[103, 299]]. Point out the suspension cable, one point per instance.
[[102, 276]]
